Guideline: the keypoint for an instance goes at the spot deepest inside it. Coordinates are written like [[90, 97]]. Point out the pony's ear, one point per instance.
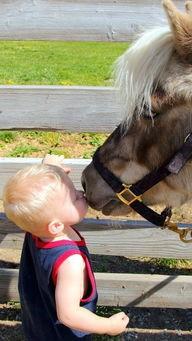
[[181, 25], [188, 6]]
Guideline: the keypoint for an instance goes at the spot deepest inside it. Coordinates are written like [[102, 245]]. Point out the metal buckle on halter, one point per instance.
[[185, 234], [125, 201]]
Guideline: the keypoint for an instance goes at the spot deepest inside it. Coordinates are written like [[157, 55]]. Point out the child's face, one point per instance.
[[70, 205]]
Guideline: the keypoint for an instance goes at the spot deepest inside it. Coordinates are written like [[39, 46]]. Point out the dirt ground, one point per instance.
[[145, 324]]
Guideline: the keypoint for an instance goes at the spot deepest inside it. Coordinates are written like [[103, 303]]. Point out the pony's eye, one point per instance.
[[148, 115]]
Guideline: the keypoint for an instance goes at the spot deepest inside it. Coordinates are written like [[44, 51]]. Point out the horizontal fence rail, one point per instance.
[[129, 290], [117, 238], [76, 109], [105, 20]]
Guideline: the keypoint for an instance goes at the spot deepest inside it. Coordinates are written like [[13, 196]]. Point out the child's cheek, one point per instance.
[[83, 207]]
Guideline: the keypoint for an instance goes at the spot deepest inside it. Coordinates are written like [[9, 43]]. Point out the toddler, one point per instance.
[[56, 283]]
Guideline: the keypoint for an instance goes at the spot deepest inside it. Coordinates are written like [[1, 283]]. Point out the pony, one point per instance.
[[154, 79]]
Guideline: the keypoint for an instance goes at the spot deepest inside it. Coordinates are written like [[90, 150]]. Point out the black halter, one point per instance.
[[135, 191]]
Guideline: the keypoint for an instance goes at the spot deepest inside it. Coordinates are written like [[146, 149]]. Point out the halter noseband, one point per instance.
[[135, 191]]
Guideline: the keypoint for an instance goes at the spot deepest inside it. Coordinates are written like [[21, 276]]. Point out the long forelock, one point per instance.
[[139, 69]]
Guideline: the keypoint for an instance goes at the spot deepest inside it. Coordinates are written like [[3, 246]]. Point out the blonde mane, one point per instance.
[[138, 70]]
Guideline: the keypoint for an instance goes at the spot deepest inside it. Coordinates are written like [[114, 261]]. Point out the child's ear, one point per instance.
[[55, 227]]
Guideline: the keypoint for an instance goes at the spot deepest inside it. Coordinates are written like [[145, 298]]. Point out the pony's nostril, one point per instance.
[[83, 184]]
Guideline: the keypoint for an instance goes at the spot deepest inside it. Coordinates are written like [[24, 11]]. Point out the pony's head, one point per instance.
[[154, 77]]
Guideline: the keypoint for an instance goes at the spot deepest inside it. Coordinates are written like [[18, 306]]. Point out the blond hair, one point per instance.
[[28, 195]]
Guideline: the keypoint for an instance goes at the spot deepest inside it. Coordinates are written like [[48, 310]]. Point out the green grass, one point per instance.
[[94, 139], [61, 63], [23, 150], [172, 263], [7, 136]]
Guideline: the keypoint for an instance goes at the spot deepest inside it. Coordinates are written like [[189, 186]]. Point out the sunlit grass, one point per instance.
[[7, 136], [23, 150], [58, 63]]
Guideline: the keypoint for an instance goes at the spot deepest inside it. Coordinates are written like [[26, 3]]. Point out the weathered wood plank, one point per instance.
[[9, 166], [114, 237], [123, 289], [105, 20], [144, 290], [76, 109]]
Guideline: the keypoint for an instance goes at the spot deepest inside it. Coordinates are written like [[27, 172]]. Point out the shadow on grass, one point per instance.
[[171, 322], [142, 318], [143, 336], [8, 265], [140, 266], [153, 318], [14, 332], [121, 264], [11, 332]]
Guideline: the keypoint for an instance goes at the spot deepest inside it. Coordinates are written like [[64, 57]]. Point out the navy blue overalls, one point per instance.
[[37, 276]]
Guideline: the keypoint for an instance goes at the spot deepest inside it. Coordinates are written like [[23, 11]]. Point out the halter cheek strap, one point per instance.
[[135, 191]]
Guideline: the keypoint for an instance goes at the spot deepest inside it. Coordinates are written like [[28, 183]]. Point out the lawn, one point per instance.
[[58, 63]]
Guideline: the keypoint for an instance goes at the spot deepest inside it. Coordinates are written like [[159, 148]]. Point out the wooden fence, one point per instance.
[[86, 109]]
